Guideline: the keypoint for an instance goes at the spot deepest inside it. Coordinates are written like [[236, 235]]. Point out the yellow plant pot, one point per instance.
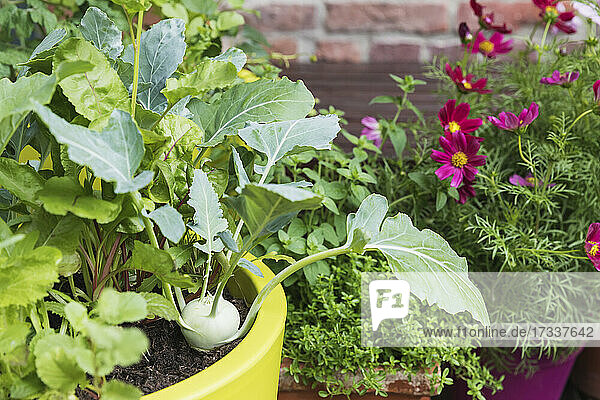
[[251, 370]]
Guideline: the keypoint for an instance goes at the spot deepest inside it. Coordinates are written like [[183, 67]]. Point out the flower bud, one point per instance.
[[465, 34]]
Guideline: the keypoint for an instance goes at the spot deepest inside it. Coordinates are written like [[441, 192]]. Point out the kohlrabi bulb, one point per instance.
[[209, 331]]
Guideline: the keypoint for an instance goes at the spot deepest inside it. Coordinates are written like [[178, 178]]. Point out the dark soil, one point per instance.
[[169, 358]]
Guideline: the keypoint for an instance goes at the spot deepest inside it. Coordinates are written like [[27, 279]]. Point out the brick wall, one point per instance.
[[358, 31]]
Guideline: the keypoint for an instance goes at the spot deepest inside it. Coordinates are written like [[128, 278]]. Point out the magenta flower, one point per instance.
[[560, 79], [559, 19], [596, 89], [486, 21], [529, 180], [510, 122], [371, 130], [459, 158], [493, 46], [592, 244], [466, 191], [464, 33], [454, 118], [465, 83]]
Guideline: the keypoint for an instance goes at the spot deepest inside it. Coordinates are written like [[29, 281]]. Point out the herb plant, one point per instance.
[[160, 181]]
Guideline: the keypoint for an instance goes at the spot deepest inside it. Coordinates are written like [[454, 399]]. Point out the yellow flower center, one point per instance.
[[467, 85], [453, 127], [595, 249], [486, 46], [552, 11], [531, 180], [459, 159]]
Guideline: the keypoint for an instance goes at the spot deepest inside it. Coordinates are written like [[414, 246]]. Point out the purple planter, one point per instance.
[[546, 384]]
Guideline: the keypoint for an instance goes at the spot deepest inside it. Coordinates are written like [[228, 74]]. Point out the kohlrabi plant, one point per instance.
[[160, 182]]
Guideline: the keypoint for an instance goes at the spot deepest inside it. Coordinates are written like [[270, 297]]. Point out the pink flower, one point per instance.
[[510, 122], [592, 244], [465, 83], [559, 19], [493, 46], [486, 21], [371, 130], [596, 89], [459, 158], [560, 79], [466, 191], [529, 180], [454, 118]]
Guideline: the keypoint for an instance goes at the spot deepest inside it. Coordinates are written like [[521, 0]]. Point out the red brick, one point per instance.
[[394, 52], [284, 45], [365, 17], [514, 14], [283, 17], [338, 51]]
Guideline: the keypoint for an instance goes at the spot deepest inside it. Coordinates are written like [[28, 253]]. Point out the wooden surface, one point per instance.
[[351, 87]]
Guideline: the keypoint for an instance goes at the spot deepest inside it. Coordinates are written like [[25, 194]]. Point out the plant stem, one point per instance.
[[583, 114], [541, 50], [280, 277], [136, 63]]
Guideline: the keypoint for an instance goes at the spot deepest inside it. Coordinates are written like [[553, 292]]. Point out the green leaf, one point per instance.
[[117, 390], [398, 138], [61, 195], [260, 101], [209, 75], [159, 306], [440, 200], [159, 262], [277, 139], [97, 28], [95, 93], [169, 221], [267, 208], [208, 216], [184, 135], [26, 278], [161, 51], [44, 50], [55, 364], [382, 100], [312, 271], [69, 68], [206, 7], [62, 233], [115, 308], [133, 6], [175, 10], [243, 179], [443, 275], [250, 266], [77, 315], [113, 154], [233, 55], [228, 20], [19, 98], [21, 180]]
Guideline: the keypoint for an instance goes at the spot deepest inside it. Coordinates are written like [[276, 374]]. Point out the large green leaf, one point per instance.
[[117, 390], [63, 233], [184, 135], [280, 138], [159, 262], [27, 278], [113, 154], [21, 180], [116, 308], [161, 51], [95, 93], [169, 221], [45, 50], [61, 195], [208, 218], [260, 101], [19, 98], [233, 55], [102, 32], [209, 75], [56, 364], [443, 275], [267, 208]]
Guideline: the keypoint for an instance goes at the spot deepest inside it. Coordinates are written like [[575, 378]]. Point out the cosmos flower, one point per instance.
[[587, 11], [464, 33], [529, 181], [493, 46], [510, 122], [371, 130], [592, 244], [486, 21], [454, 118], [596, 89], [459, 158], [466, 191], [560, 79], [465, 83], [560, 19]]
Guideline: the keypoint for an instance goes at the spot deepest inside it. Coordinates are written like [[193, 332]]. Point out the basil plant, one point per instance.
[[153, 186]]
